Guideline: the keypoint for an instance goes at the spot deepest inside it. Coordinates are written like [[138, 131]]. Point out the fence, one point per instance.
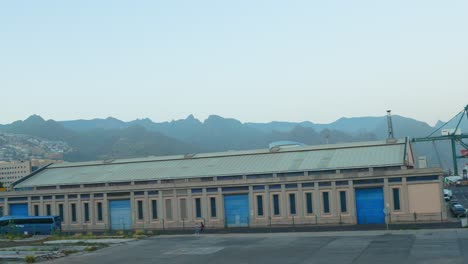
[[264, 222]]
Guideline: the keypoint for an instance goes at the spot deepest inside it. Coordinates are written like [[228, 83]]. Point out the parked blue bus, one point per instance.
[[30, 225]]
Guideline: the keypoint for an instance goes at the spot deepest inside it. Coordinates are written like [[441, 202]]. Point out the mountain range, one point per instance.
[[113, 138]]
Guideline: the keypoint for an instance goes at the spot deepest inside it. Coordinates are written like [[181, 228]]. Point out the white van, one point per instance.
[[447, 194]]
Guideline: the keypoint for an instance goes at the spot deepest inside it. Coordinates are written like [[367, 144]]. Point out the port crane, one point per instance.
[[455, 136]]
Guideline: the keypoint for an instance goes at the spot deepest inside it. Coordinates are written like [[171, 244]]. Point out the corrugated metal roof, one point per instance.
[[309, 158]]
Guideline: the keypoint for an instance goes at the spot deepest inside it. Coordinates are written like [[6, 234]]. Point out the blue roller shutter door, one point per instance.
[[236, 209], [120, 214], [19, 209], [370, 206]]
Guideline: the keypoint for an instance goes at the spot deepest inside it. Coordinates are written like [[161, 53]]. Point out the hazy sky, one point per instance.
[[251, 60]]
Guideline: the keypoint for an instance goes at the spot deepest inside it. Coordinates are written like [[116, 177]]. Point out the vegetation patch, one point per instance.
[[91, 248], [69, 252], [30, 259]]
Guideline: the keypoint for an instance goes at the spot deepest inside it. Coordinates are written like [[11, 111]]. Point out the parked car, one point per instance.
[[457, 210], [447, 195]]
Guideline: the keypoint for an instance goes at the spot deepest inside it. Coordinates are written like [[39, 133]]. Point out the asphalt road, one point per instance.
[[404, 246], [460, 194]]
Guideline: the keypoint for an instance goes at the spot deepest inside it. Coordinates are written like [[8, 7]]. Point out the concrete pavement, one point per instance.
[[403, 246]]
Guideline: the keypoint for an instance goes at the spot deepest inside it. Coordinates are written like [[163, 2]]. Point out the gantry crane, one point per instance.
[[454, 135]]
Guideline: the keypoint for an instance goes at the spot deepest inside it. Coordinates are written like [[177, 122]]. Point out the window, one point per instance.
[[86, 212], [259, 205], [73, 212], [326, 202], [259, 187], [48, 210], [198, 213], [343, 202], [292, 203], [198, 190], [140, 210], [276, 206], [235, 189], [168, 205], [395, 179], [1, 211], [17, 199], [341, 183], [183, 208], [396, 199], [213, 213], [368, 181], [230, 178], [260, 176], [309, 207], [99, 211], [291, 174], [422, 178], [36, 210], [154, 209], [60, 210]]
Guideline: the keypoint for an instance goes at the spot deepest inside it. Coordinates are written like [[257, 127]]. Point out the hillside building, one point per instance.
[[13, 171], [354, 183]]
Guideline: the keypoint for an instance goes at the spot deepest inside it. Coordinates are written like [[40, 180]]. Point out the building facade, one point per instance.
[[11, 172], [360, 183]]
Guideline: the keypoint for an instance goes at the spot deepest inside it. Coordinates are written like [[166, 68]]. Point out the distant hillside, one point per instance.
[[86, 125], [113, 138], [100, 143], [218, 134]]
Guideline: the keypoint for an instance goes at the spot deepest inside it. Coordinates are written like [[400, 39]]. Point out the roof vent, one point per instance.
[[285, 144], [189, 156], [275, 149]]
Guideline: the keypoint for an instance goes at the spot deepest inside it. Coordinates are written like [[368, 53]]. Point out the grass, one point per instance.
[[12, 236]]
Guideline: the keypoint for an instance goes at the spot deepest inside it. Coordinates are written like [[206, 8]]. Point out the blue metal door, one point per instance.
[[19, 209], [120, 214], [236, 210], [370, 206]]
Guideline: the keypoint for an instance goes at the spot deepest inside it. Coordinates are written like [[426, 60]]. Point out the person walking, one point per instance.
[[202, 227], [197, 230]]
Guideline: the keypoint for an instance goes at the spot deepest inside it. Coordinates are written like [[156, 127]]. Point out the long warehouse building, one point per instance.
[[353, 183]]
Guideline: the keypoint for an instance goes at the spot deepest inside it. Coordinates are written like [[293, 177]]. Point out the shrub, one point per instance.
[[91, 249], [30, 259], [139, 232]]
